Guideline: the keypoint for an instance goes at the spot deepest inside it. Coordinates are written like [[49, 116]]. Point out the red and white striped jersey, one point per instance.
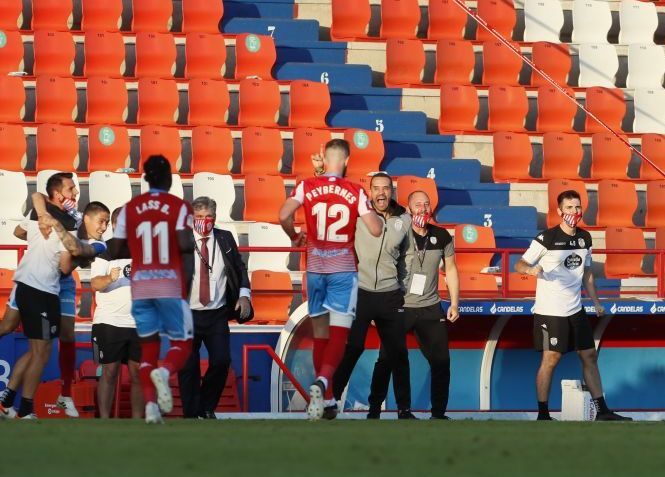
[[149, 223], [332, 207]]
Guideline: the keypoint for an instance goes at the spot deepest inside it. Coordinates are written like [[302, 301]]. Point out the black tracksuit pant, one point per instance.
[[429, 325], [385, 309], [211, 327]]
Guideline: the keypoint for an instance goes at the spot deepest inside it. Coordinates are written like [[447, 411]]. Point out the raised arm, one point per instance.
[[73, 245], [373, 223]]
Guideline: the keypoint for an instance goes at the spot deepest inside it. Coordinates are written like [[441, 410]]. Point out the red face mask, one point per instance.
[[572, 219], [421, 221], [69, 204], [204, 226]]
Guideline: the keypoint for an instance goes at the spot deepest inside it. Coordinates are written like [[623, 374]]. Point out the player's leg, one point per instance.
[[106, 388], [67, 362], [218, 344], [8, 396], [40, 353], [316, 293], [133, 364], [147, 327], [551, 337], [12, 318], [582, 336], [355, 344]]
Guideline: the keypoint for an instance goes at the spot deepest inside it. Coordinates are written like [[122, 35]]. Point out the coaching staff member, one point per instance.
[[429, 246], [381, 270], [220, 292], [561, 259]]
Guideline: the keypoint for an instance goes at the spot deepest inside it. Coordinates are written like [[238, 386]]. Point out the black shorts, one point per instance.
[[40, 312], [112, 344], [562, 333]]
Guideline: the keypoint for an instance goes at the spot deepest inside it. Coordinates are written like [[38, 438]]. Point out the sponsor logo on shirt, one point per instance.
[[127, 270], [168, 274], [329, 253], [572, 261]]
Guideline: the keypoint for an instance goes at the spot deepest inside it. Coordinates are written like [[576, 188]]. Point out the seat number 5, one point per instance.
[[329, 232]]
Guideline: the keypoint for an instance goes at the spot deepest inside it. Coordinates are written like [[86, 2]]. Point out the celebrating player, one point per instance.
[[332, 207], [157, 228], [561, 259]]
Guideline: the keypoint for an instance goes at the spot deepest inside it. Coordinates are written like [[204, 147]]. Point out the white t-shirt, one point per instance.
[[114, 303], [563, 258], [40, 266]]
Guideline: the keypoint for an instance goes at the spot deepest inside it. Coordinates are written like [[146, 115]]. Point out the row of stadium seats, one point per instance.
[[456, 63], [544, 20]]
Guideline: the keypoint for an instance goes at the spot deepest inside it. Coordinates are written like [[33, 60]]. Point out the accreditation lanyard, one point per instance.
[[205, 262], [421, 253]]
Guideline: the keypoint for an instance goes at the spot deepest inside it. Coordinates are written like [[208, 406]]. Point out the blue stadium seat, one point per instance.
[[474, 193], [365, 99], [272, 9], [279, 29], [443, 171], [382, 121], [344, 76], [500, 218], [419, 145], [310, 52]]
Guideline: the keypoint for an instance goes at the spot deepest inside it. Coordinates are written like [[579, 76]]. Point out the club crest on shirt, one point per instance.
[[553, 341], [433, 240], [581, 242], [399, 224], [572, 261]]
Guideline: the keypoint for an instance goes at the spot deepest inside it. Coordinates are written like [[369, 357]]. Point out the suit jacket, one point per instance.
[[236, 272]]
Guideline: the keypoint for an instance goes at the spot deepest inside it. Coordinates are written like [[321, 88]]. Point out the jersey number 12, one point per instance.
[[338, 211]]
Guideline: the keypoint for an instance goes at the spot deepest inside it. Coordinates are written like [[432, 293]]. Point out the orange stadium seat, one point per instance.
[[271, 307], [158, 101], [609, 157], [477, 284], [366, 151], [262, 150], [653, 147], [212, 150], [557, 186], [12, 147], [155, 55], [11, 53], [6, 285], [459, 108], [408, 184], [522, 284], [104, 54], [350, 19], [512, 157], [655, 216], [405, 62], [255, 56], [202, 16], [500, 65], [152, 15], [363, 181], [57, 147], [160, 140], [55, 100], [455, 62], [12, 98], [309, 104], [622, 265], [101, 16], [107, 101], [54, 53], [11, 14], [500, 15], [508, 107], [52, 15], [617, 202], [306, 142], [562, 155], [553, 59], [209, 102], [447, 21], [205, 56], [606, 104], [264, 196], [399, 18], [259, 103], [555, 111], [108, 148], [473, 236]]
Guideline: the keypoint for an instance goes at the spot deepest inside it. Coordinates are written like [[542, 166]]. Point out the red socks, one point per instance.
[[318, 350], [334, 352], [177, 355], [149, 357], [67, 361]]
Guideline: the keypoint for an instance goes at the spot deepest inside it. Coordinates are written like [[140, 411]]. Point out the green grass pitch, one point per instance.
[[340, 448]]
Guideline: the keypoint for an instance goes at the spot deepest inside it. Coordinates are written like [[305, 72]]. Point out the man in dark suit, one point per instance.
[[220, 292]]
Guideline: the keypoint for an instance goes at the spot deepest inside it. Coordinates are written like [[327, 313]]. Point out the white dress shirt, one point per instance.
[[217, 276]]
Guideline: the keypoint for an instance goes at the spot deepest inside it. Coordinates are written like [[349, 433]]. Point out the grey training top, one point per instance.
[[381, 265], [423, 260]]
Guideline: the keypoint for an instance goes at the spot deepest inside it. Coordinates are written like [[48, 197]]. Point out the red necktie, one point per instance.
[[204, 284]]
